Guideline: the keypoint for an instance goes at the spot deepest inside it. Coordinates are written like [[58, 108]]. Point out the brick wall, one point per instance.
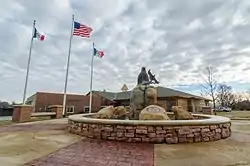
[[44, 100], [22, 113]]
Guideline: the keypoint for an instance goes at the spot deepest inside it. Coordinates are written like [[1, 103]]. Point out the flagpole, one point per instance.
[[91, 80], [67, 70], [28, 65]]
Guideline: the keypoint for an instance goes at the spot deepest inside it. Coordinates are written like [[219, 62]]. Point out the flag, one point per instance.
[[81, 30], [98, 53], [38, 35]]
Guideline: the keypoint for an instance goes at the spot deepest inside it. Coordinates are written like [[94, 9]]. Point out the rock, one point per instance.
[[153, 112], [106, 113], [181, 114], [111, 112], [142, 96], [119, 112], [127, 109], [172, 140], [151, 94]]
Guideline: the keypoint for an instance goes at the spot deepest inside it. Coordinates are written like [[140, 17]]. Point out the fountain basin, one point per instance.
[[204, 128]]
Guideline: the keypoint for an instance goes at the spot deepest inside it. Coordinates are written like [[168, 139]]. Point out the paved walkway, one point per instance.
[[24, 142], [32, 127], [47, 143], [233, 151], [99, 153]]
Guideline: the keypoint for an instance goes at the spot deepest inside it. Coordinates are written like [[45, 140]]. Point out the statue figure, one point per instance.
[[152, 78], [143, 77], [143, 94]]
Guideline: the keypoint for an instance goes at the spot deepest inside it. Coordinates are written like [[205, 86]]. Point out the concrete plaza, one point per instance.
[[48, 143]]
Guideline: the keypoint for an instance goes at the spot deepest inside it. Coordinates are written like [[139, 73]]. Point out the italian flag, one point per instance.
[[98, 53], [38, 35]]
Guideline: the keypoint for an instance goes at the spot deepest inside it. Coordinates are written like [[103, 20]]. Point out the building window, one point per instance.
[[86, 109], [70, 109]]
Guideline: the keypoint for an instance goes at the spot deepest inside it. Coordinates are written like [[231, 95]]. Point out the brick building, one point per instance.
[[75, 103], [80, 103]]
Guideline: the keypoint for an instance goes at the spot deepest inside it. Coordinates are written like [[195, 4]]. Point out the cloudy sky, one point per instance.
[[176, 39]]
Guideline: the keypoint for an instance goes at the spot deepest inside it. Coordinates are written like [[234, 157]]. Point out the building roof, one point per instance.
[[167, 92], [31, 98], [161, 92], [107, 95], [124, 88]]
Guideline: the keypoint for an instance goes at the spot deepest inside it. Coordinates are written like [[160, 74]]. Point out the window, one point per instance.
[[70, 109], [86, 109]]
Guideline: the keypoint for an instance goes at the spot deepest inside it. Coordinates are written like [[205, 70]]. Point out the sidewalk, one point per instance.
[[47, 143], [21, 143]]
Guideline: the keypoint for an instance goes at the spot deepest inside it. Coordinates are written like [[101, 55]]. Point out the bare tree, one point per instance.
[[210, 84], [247, 95], [225, 96]]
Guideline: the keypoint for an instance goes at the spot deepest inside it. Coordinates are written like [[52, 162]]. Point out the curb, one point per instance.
[[240, 119]]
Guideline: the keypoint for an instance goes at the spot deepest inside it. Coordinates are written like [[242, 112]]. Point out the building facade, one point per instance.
[[166, 98], [76, 103]]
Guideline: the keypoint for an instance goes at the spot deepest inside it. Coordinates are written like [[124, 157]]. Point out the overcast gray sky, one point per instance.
[[176, 39]]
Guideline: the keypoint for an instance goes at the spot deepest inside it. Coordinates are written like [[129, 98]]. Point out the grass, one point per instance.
[[235, 114]]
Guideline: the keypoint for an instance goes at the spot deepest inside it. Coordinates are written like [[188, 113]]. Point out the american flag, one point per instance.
[[81, 30]]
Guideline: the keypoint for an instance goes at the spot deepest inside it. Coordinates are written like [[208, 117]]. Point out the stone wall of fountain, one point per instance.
[[145, 121], [203, 128]]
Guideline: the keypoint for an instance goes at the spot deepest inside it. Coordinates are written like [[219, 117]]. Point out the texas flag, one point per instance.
[[98, 53], [38, 35]]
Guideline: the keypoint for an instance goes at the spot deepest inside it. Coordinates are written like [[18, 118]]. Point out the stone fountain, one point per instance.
[[146, 121], [143, 103]]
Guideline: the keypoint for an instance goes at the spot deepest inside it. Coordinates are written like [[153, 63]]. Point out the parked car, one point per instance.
[[223, 109]]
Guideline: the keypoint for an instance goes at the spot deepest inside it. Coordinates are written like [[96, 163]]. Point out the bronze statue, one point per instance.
[[143, 77], [143, 94], [152, 78]]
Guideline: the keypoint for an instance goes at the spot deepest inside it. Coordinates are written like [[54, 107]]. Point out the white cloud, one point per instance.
[[176, 39]]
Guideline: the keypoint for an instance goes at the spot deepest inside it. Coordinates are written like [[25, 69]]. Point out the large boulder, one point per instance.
[[120, 112], [141, 97], [111, 112], [153, 112], [106, 112], [181, 114]]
